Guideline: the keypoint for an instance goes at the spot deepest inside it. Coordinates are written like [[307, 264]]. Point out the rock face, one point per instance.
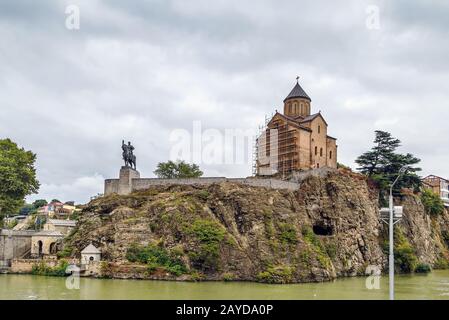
[[328, 228]]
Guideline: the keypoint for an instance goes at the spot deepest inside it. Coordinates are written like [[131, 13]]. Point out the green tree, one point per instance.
[[382, 164], [17, 176], [27, 209], [40, 203], [432, 202], [374, 161], [177, 170]]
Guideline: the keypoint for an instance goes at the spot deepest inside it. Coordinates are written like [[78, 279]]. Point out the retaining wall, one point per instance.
[[14, 244], [141, 184], [130, 181]]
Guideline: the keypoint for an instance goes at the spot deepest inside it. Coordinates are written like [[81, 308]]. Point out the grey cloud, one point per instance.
[[137, 70]]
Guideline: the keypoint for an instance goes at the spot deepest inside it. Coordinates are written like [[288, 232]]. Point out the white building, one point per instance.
[[90, 254]]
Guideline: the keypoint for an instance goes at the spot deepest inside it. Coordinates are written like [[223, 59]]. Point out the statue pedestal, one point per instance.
[[127, 174]]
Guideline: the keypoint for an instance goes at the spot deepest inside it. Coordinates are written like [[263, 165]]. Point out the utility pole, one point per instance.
[[394, 216]]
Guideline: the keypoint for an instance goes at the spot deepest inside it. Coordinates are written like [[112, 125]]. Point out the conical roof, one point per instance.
[[90, 249], [297, 92]]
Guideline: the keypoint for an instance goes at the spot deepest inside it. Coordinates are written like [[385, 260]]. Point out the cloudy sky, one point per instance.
[[140, 70]]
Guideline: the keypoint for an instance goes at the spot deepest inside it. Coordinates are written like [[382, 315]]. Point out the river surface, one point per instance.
[[432, 286]]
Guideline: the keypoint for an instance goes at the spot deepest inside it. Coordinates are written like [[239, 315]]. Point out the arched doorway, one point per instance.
[[53, 248], [40, 245]]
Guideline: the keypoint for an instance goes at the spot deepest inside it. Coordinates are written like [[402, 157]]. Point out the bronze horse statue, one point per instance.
[[128, 155]]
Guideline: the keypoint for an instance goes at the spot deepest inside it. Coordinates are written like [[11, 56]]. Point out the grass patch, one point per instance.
[[156, 256], [441, 264], [288, 234], [405, 259], [423, 268], [331, 249], [203, 195], [276, 274], [432, 202], [316, 247], [66, 252], [42, 269], [228, 276], [209, 234]]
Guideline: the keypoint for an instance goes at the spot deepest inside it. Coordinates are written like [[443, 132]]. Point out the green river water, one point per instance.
[[432, 286]]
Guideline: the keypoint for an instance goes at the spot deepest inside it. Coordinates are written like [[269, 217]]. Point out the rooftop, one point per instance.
[[297, 92], [91, 249], [62, 223]]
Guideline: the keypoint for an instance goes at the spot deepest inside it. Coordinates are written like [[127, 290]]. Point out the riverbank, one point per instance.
[[434, 286]]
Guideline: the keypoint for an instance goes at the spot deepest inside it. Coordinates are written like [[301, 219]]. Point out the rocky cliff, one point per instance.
[[326, 229]]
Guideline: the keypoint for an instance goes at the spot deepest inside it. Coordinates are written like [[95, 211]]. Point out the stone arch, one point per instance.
[[40, 246], [52, 249]]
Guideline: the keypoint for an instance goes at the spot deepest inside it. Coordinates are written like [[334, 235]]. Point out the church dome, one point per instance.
[[297, 92]]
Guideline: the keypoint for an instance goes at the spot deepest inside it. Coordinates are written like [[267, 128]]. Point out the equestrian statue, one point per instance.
[[128, 155]]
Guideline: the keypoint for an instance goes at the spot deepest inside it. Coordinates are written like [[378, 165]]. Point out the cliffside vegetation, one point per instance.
[[328, 228], [42, 269], [432, 202]]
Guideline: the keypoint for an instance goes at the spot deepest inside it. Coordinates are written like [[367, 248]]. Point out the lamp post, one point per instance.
[[391, 224]]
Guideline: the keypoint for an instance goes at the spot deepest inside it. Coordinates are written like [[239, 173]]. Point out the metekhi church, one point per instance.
[[296, 139]]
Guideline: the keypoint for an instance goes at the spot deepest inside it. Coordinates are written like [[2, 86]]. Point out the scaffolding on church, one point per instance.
[[261, 129], [281, 150]]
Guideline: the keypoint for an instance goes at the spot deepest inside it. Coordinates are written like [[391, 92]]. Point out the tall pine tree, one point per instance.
[[382, 164]]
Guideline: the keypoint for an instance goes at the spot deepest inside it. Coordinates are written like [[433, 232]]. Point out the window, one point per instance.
[[318, 165], [316, 150], [319, 129], [295, 107], [321, 152], [330, 154], [91, 258]]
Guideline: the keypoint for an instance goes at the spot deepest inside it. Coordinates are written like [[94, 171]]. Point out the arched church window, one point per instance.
[[321, 152], [330, 154], [316, 150], [319, 129]]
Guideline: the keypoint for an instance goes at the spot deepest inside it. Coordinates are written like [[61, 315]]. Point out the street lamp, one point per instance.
[[394, 215]]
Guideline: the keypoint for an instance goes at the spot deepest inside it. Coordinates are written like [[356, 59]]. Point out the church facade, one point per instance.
[[296, 139]]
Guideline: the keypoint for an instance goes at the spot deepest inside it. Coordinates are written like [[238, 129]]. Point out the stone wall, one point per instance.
[[111, 186], [26, 265], [14, 244], [129, 181], [141, 184]]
